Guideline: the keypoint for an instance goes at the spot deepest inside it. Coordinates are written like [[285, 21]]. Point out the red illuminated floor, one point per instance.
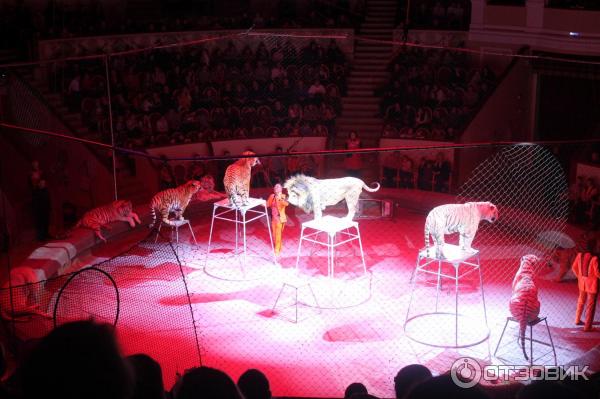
[[362, 339]]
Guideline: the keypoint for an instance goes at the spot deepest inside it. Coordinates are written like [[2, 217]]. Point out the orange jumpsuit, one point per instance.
[[585, 267], [277, 205]]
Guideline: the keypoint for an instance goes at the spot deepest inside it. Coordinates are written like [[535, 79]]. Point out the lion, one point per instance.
[[313, 195]]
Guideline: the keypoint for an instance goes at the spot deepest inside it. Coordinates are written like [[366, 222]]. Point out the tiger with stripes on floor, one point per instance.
[[524, 304]]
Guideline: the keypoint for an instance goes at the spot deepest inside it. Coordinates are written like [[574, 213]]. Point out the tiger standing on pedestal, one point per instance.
[[457, 218], [97, 218], [237, 179], [524, 303], [173, 200]]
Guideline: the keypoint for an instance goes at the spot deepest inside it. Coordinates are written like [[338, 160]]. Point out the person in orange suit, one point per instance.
[[585, 267], [277, 202]]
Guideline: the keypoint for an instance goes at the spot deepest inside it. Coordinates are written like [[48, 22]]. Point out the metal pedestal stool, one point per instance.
[[176, 224], [296, 283], [462, 264], [531, 340]]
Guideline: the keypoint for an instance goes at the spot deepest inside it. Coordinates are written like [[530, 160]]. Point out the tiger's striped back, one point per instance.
[[237, 179], [103, 215], [457, 218], [172, 200], [524, 303]]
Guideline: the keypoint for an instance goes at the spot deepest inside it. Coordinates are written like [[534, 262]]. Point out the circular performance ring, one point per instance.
[[433, 319]]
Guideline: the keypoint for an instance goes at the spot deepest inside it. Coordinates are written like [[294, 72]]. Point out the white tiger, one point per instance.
[[524, 304], [457, 218], [313, 195]]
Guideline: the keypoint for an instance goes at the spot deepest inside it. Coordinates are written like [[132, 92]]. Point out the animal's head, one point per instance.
[[192, 186], [208, 183], [488, 211], [124, 207], [250, 162], [299, 192], [528, 265]]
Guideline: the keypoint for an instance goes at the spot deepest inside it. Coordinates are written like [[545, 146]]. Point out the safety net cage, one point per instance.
[[280, 240]]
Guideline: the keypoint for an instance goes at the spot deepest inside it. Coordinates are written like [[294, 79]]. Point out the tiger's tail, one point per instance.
[[426, 236], [153, 213], [522, 328]]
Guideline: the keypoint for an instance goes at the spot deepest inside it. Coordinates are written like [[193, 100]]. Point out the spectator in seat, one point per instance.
[[441, 173], [316, 91], [425, 174], [353, 162], [390, 167], [254, 385], [74, 93], [406, 173], [41, 210], [278, 166], [162, 126]]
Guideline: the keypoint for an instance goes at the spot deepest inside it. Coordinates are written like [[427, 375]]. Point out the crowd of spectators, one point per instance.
[[401, 171], [83, 360], [200, 93], [432, 94], [435, 14], [578, 4], [93, 18]]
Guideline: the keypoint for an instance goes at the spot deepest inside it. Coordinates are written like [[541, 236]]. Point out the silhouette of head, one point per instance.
[[77, 360], [206, 382], [408, 377], [254, 385], [148, 380], [354, 389]]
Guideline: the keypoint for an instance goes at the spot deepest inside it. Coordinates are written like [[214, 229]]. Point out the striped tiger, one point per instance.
[[457, 218], [173, 200], [524, 304], [237, 179], [97, 218]]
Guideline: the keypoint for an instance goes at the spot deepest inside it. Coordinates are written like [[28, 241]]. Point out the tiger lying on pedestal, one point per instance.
[[457, 218], [103, 216], [524, 304], [172, 200]]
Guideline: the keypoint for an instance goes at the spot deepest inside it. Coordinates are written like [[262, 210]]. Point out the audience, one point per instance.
[[197, 93], [398, 170], [439, 14], [82, 360], [431, 95]]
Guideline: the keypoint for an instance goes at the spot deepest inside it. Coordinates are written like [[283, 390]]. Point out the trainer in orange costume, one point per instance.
[[585, 267], [277, 202]]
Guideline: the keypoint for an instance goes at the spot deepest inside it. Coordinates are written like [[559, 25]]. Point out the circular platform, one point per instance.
[[233, 267], [437, 329]]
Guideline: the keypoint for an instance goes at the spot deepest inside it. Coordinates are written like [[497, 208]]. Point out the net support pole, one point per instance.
[[110, 124]]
